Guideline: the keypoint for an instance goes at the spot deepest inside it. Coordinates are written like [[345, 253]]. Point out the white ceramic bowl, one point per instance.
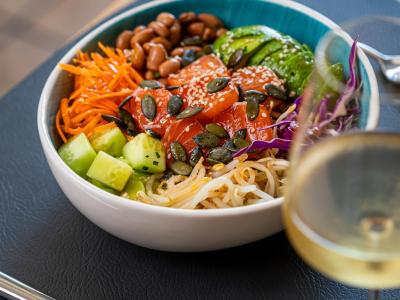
[[163, 228]]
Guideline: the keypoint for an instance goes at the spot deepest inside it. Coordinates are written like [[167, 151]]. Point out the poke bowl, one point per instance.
[[211, 210]]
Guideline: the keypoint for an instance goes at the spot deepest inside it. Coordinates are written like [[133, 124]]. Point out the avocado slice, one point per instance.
[[266, 50], [292, 63], [262, 45], [247, 38]]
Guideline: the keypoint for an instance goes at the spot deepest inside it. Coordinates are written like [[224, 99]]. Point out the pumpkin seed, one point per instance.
[[230, 146], [241, 93], [149, 107], [126, 117], [125, 101], [206, 140], [195, 156], [181, 168], [217, 84], [174, 105], [189, 112], [153, 134], [217, 130], [240, 143], [252, 109], [258, 96], [178, 151], [275, 91], [111, 118], [150, 84], [192, 41], [219, 154], [212, 161], [240, 134], [188, 57], [172, 87], [235, 58]]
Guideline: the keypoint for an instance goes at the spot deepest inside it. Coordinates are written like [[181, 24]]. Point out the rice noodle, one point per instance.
[[240, 182]]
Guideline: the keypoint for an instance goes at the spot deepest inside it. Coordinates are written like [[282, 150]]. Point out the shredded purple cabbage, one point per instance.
[[277, 143], [340, 109], [297, 102], [323, 109], [341, 115]]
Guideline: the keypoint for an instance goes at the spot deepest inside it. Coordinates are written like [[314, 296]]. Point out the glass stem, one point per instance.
[[373, 295]]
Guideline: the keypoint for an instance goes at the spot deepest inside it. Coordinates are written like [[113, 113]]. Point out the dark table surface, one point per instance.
[[46, 243]]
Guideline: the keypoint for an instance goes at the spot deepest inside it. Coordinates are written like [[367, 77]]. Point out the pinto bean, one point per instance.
[[175, 33], [187, 17], [210, 20], [156, 56], [166, 18], [163, 41], [147, 46], [208, 34], [149, 75], [124, 39], [159, 28], [143, 36], [196, 28], [138, 58], [139, 29], [169, 66]]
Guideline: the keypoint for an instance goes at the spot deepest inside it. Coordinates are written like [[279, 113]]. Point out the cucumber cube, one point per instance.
[[110, 171], [145, 154], [110, 141], [78, 154]]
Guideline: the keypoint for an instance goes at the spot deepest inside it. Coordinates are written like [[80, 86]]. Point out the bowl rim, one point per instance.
[[114, 200]]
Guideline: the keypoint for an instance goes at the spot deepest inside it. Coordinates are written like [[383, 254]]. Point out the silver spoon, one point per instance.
[[13, 289], [390, 64]]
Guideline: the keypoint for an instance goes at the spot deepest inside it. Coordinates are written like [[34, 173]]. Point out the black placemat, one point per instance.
[[48, 244]]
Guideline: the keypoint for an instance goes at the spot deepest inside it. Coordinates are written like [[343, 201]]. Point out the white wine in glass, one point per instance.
[[342, 210]]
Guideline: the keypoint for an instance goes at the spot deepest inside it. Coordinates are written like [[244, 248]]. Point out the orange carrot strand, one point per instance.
[[58, 126]]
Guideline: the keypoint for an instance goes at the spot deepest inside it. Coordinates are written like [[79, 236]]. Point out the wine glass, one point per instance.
[[342, 202]]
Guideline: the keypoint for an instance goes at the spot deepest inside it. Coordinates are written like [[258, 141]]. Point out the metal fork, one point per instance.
[[13, 289]]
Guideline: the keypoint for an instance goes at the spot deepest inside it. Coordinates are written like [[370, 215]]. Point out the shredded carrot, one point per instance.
[[129, 81], [135, 75], [88, 113], [102, 81], [59, 129], [108, 51]]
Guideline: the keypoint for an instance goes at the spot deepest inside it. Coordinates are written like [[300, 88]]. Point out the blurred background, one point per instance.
[[31, 30]]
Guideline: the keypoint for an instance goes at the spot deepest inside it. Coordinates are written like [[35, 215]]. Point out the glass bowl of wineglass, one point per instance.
[[342, 204]]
